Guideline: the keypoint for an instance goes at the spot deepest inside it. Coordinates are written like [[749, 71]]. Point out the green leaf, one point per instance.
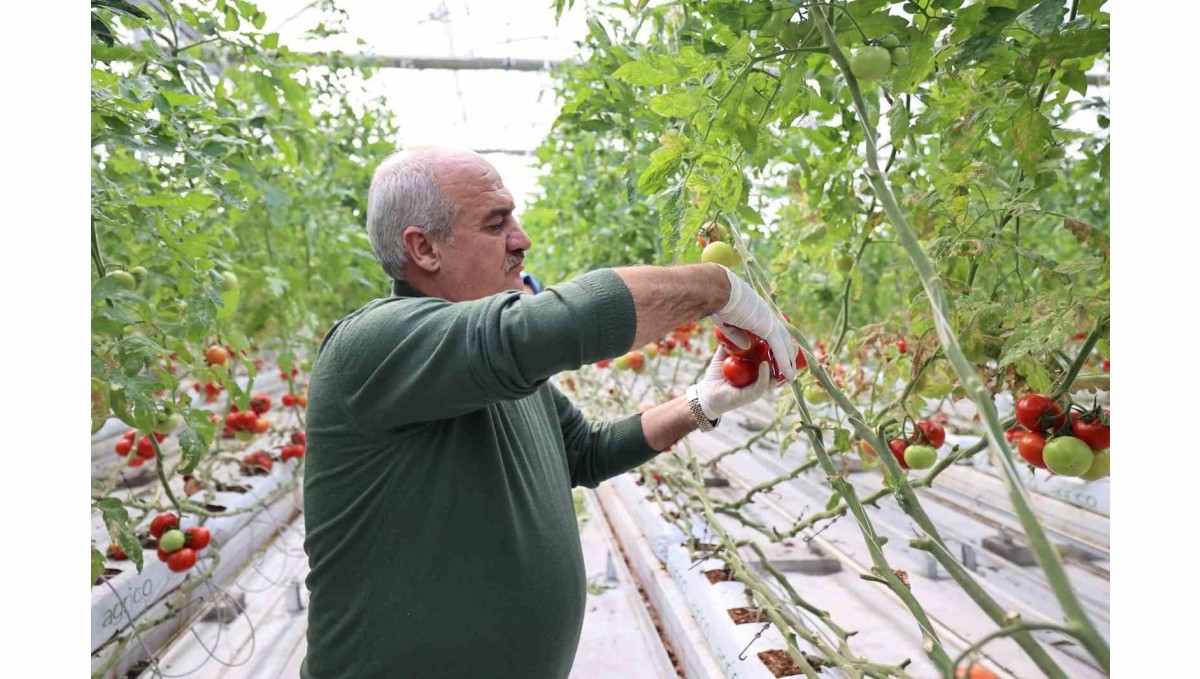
[[270, 41], [977, 48], [1043, 18], [841, 440], [663, 161], [678, 104], [1076, 80], [1076, 44], [193, 447], [648, 71], [121, 7], [120, 528], [834, 499], [898, 123], [176, 99], [98, 564]]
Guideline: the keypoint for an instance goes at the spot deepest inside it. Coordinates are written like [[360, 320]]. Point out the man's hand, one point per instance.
[[747, 311], [718, 397]]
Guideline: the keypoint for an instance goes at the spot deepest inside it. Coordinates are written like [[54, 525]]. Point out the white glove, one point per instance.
[[747, 311], [718, 397]]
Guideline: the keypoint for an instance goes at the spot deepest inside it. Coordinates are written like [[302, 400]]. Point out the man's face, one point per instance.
[[489, 245]]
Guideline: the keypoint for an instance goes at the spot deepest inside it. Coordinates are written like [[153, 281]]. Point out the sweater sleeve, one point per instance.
[[419, 359], [600, 450]]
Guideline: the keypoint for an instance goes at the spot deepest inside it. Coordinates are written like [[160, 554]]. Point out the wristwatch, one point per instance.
[[702, 421]]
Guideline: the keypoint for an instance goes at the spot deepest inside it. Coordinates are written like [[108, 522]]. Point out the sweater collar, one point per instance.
[[404, 289]]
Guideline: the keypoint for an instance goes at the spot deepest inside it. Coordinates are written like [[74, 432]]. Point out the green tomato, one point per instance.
[[719, 252], [1099, 468], [844, 263], [229, 281], [815, 394], [1068, 456], [920, 457], [139, 274], [172, 540], [243, 435], [166, 425], [871, 63], [622, 363], [123, 279], [890, 41], [900, 56]]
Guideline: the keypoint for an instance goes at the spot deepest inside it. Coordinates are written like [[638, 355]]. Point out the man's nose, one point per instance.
[[520, 240]]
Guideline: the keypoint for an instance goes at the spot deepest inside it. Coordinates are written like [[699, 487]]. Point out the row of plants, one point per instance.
[[228, 200], [922, 185]]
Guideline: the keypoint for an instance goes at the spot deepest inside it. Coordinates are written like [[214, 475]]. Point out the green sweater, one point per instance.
[[441, 533]]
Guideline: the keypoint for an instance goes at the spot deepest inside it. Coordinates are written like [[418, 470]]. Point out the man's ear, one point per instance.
[[423, 250]]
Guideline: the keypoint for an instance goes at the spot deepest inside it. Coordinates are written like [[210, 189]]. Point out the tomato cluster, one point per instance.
[[918, 450], [177, 548], [300, 399], [211, 390], [258, 462], [244, 425], [296, 448], [1047, 438], [741, 366], [141, 445]]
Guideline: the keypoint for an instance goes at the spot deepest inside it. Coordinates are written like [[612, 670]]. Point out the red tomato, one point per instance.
[[298, 437], [601, 364], [137, 461], [115, 552], [216, 355], [162, 523], [1013, 435], [739, 372], [302, 399], [124, 446], [1092, 429], [182, 560], [289, 400], [163, 556], [898, 447], [145, 448], [1030, 447], [261, 425], [931, 433], [1039, 413], [198, 537], [902, 346], [733, 349], [260, 403]]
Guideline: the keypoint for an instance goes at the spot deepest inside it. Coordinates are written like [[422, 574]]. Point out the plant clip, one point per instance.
[[742, 655]]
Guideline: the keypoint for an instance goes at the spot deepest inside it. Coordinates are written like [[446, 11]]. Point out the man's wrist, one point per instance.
[[720, 286]]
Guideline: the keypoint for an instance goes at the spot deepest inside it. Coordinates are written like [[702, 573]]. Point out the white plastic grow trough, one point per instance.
[[698, 610]]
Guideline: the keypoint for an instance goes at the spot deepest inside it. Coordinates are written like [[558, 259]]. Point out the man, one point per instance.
[[441, 533]]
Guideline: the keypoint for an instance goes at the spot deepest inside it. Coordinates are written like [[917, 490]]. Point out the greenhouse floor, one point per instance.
[[618, 640]]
